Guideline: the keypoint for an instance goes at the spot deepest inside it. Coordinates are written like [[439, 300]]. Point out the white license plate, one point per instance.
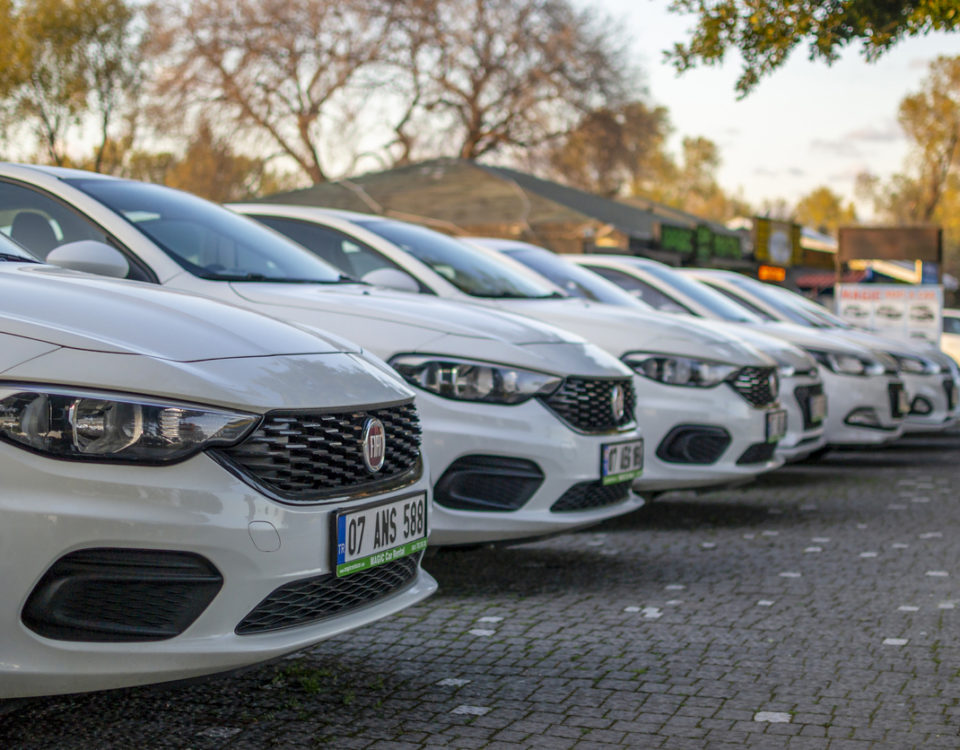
[[818, 407], [776, 425], [378, 534], [621, 462]]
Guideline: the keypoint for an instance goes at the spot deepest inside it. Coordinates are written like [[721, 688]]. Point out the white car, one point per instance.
[[707, 401], [189, 487], [929, 376], [854, 379], [950, 339], [801, 389], [529, 430]]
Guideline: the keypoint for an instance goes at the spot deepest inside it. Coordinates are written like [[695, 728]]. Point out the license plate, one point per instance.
[[378, 534], [621, 462], [903, 401], [776, 425], [818, 407]]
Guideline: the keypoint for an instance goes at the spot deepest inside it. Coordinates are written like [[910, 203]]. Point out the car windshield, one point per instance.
[[472, 271], [773, 297], [811, 307], [714, 302], [14, 252], [574, 280], [207, 240]]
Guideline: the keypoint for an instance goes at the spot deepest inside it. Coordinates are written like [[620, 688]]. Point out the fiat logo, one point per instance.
[[617, 399], [374, 441]]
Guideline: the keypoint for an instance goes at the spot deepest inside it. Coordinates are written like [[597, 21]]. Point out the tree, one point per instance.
[[824, 210], [611, 149], [765, 32], [278, 70], [495, 74], [65, 60]]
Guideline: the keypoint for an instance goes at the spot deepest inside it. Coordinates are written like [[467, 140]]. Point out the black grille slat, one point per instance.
[[586, 404], [753, 384], [757, 453], [306, 456], [591, 495], [313, 599]]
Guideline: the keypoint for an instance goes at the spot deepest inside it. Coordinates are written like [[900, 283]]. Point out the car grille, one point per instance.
[[591, 495], [587, 405], [309, 456], [894, 390], [753, 383], [313, 599], [804, 394], [757, 453], [950, 388]]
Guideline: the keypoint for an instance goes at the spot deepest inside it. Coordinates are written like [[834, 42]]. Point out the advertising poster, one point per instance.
[[898, 311]]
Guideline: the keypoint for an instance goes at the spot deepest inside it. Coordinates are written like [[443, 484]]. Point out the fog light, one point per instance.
[[921, 406], [865, 416]]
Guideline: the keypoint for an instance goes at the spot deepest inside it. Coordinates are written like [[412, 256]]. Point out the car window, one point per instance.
[[469, 269], [716, 304], [755, 309], [350, 256], [208, 240], [573, 279], [42, 223], [641, 290]]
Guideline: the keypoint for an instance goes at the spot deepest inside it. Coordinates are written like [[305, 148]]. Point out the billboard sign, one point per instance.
[[906, 312]]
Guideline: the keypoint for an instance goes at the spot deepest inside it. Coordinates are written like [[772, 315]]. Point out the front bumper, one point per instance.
[[53, 508], [458, 432], [665, 411], [860, 410], [804, 434]]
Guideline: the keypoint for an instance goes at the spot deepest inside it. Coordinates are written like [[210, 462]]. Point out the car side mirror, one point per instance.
[[392, 278], [90, 256]]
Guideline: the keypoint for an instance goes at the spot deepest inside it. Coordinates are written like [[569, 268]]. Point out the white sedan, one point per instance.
[[188, 487], [529, 430], [707, 401]]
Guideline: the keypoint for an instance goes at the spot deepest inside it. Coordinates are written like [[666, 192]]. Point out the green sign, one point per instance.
[[704, 243], [678, 239], [726, 246]]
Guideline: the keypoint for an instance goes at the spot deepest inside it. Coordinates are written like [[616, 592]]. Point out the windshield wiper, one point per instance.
[[18, 258], [262, 277]]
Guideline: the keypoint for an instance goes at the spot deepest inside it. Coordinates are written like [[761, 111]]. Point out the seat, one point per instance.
[[33, 231]]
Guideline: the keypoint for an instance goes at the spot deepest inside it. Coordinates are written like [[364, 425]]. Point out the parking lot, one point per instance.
[[816, 608]]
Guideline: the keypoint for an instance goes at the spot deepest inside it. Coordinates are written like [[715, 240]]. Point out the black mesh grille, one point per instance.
[[488, 483], [590, 495], [896, 408], [804, 394], [753, 383], [694, 444], [313, 599], [757, 453], [306, 456], [121, 595], [587, 405]]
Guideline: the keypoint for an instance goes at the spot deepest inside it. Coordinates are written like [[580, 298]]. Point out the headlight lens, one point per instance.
[[683, 371], [101, 427], [468, 380], [915, 365], [847, 364]]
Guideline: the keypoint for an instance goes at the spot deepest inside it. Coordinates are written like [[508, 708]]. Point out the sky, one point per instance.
[[805, 125]]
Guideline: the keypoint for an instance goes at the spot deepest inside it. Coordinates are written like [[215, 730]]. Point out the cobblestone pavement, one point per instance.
[[818, 608]]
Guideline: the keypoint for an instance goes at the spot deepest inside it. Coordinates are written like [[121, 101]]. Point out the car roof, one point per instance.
[[62, 172]]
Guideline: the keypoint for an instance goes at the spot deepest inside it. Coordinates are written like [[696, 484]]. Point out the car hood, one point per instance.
[[820, 339], [620, 330], [784, 352], [373, 304], [79, 311], [254, 384]]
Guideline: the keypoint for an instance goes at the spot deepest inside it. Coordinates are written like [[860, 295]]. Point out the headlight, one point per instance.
[[102, 427], [468, 380], [915, 365], [847, 364], [685, 371]]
